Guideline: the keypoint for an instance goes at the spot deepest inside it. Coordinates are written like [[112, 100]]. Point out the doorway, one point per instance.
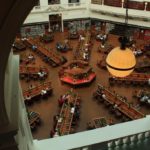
[[55, 22]]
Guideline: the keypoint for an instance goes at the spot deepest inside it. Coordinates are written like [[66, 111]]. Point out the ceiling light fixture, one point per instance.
[[121, 60]]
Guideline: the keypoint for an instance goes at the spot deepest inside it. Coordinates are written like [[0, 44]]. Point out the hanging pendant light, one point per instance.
[[121, 60]]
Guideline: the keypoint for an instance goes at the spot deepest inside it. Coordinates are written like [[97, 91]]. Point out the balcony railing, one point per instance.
[[148, 6], [110, 137], [122, 3]]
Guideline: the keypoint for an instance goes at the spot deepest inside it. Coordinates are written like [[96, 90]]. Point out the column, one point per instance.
[[141, 136], [126, 140], [62, 23], [111, 144], [122, 3], [147, 134], [102, 2], [118, 142], [145, 6], [43, 3], [133, 139]]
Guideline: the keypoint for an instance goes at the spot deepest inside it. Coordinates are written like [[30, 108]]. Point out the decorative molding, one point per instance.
[[55, 9]]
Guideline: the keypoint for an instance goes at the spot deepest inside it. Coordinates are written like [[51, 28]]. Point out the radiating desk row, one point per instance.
[[83, 49], [134, 78], [118, 103], [47, 55], [33, 72], [67, 112], [37, 91]]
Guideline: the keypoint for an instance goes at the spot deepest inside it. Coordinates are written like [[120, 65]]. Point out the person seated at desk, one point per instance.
[[148, 101], [34, 47], [86, 49], [56, 134], [43, 92], [72, 110], [81, 38], [105, 37], [103, 96], [137, 52], [65, 97], [144, 99], [115, 106], [101, 37], [30, 56], [55, 119], [31, 87], [59, 46], [85, 55], [60, 119], [41, 74], [103, 44], [28, 97], [24, 39]]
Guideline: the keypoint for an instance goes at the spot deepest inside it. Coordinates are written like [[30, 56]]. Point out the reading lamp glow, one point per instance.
[[121, 61]]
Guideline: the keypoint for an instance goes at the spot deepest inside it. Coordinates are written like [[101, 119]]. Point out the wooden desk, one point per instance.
[[72, 81], [139, 93], [26, 61], [84, 47], [19, 46], [73, 35], [45, 53], [64, 126], [36, 91], [143, 66], [77, 72], [63, 47], [138, 78], [32, 72], [117, 100]]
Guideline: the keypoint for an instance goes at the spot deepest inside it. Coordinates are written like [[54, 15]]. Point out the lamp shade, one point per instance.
[[120, 63]]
